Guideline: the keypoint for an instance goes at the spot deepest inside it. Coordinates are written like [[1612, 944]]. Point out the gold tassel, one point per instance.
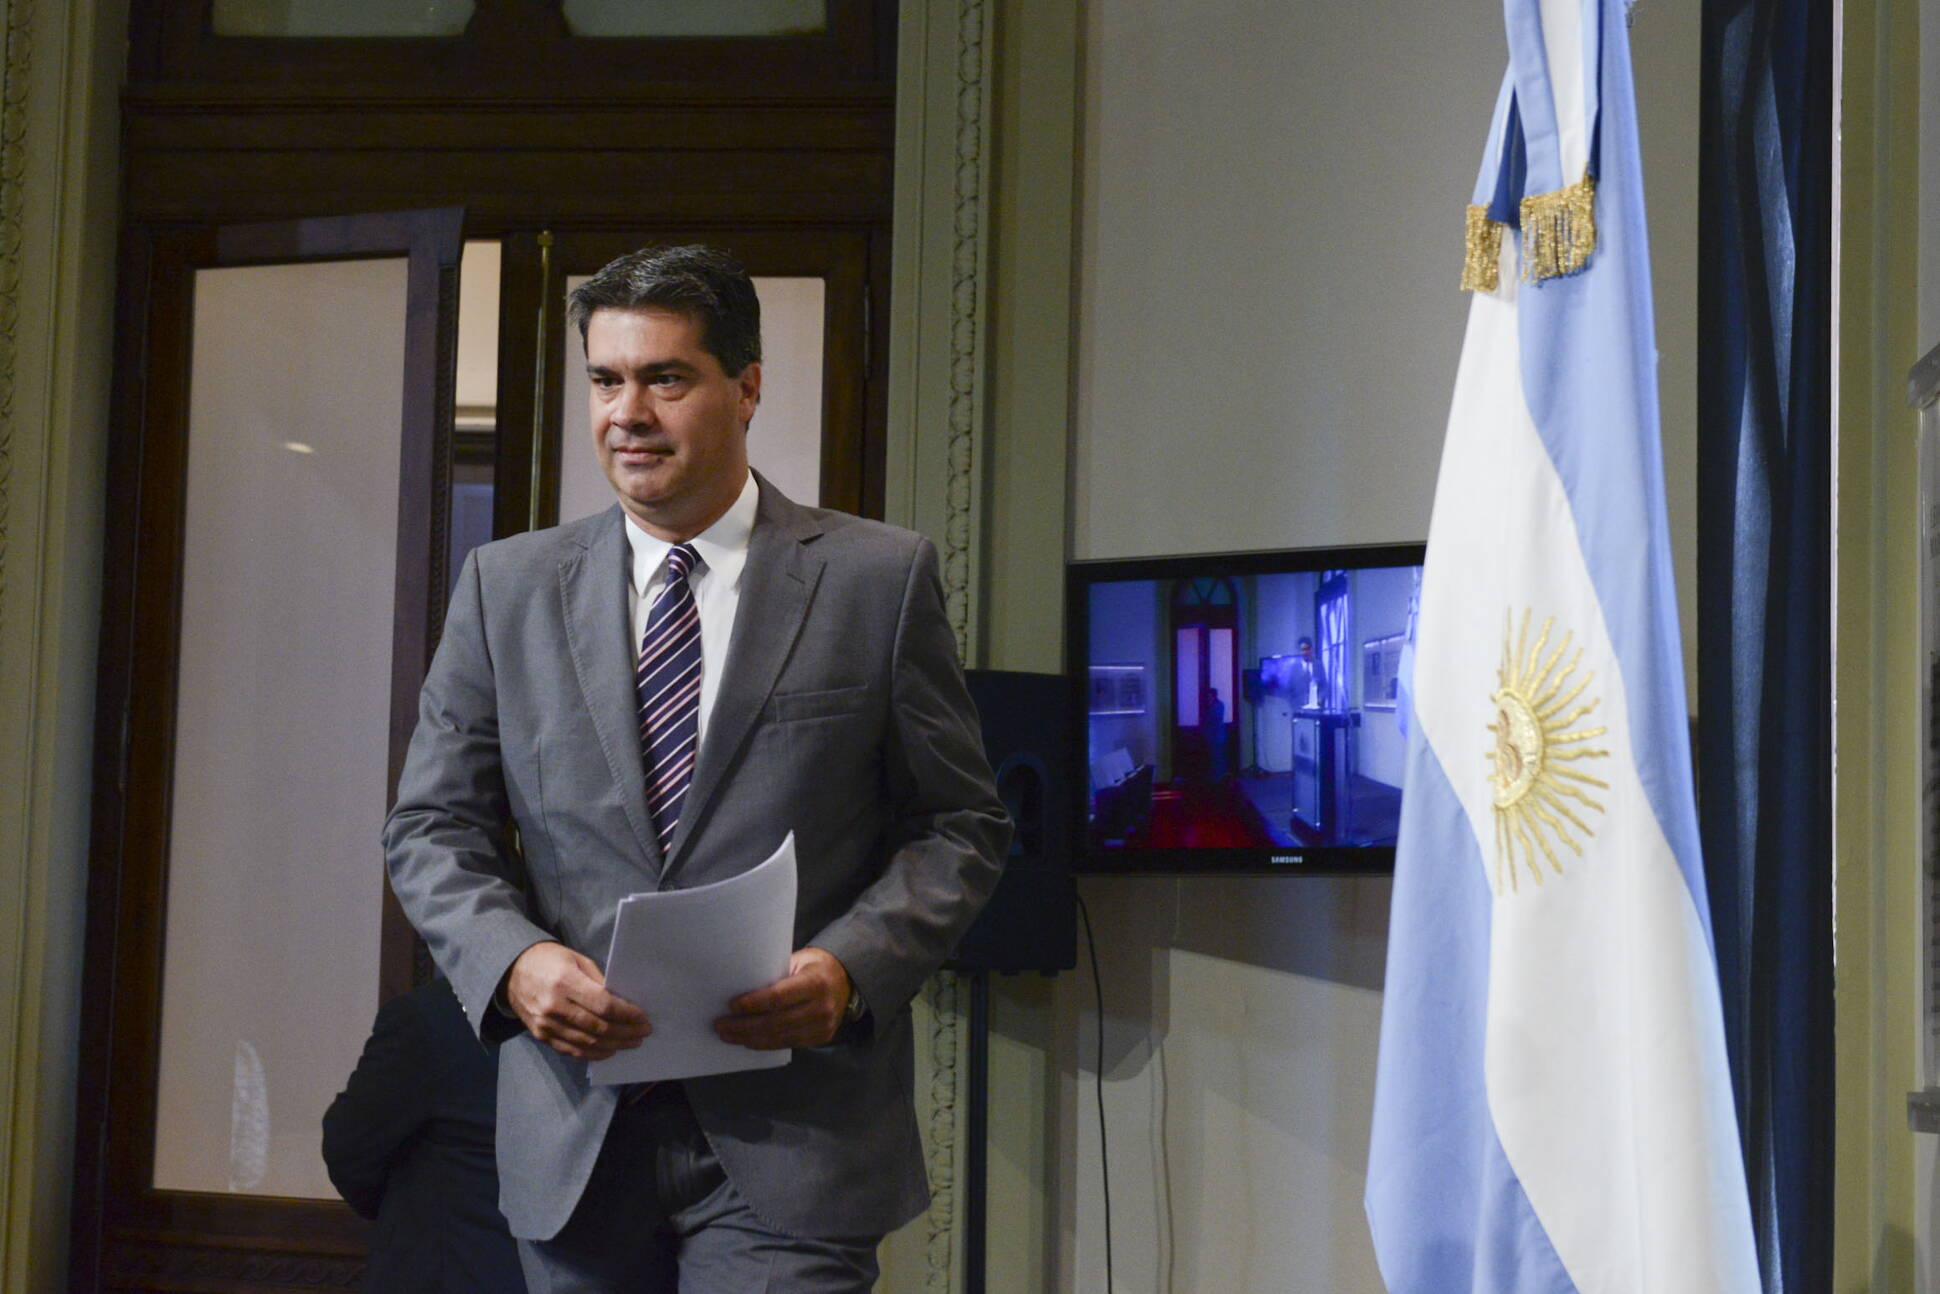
[[1482, 262], [1558, 231]]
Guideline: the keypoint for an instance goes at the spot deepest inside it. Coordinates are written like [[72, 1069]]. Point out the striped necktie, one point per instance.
[[668, 678]]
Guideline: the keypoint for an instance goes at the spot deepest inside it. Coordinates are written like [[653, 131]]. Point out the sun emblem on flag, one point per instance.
[[1537, 749]]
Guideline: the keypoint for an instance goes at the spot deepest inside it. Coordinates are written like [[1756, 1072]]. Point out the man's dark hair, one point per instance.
[[1304, 641], [703, 283]]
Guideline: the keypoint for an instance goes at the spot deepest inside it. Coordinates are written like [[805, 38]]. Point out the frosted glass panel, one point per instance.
[[1219, 667], [478, 297], [697, 17], [341, 17], [282, 718], [785, 438]]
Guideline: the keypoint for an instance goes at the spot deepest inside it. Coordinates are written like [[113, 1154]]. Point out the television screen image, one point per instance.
[[1243, 712]]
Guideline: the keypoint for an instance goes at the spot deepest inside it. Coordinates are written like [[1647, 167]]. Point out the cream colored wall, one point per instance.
[[1031, 320], [1266, 328], [1217, 337], [1929, 162], [58, 180], [1268, 320], [1875, 698]]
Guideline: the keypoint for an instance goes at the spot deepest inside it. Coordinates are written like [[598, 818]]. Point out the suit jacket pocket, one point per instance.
[[823, 703]]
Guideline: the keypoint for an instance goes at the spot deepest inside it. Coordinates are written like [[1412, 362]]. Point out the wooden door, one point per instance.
[[1205, 669], [279, 471]]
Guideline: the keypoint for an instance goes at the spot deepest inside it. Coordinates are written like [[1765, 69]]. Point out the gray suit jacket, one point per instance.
[[841, 714]]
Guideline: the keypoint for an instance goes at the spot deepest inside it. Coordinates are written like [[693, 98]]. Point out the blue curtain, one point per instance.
[[1764, 563]]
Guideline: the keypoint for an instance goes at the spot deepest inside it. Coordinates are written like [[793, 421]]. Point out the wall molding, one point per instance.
[[945, 1051], [935, 458], [20, 971], [969, 267], [939, 318], [59, 66], [1882, 1219], [174, 1264], [17, 66]]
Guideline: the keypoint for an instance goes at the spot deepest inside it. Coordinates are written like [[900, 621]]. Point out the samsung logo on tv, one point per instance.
[[1288, 858]]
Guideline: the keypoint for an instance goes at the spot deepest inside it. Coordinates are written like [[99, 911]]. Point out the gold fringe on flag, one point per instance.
[[1558, 231], [1483, 245]]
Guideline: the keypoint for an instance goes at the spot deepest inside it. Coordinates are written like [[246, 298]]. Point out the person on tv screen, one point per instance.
[[1215, 727], [1306, 677]]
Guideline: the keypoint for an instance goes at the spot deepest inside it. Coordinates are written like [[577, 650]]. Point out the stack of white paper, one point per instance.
[[682, 955]]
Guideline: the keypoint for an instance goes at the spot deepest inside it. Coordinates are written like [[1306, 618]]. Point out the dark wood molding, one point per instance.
[[146, 721], [423, 527], [708, 107], [507, 187], [874, 450], [649, 129], [94, 1115], [160, 1261], [521, 476]]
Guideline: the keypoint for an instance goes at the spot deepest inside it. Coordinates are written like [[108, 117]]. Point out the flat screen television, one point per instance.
[[1240, 712]]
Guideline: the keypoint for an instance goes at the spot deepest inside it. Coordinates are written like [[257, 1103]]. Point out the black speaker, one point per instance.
[[1030, 923]]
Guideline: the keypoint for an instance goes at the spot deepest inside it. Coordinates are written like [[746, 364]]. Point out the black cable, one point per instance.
[[1104, 1157]]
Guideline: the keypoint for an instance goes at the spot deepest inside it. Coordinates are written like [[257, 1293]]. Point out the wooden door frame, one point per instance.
[[532, 131], [125, 1233], [1204, 616]]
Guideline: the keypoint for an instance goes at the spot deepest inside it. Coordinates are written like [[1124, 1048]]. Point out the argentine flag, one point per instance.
[[1553, 1109]]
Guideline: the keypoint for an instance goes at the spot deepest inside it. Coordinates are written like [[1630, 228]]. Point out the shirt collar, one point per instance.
[[723, 546]]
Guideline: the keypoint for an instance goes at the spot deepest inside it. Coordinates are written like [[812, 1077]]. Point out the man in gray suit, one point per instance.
[[811, 683], [1306, 678]]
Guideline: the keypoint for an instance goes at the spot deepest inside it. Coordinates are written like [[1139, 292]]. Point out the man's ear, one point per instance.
[[748, 383]]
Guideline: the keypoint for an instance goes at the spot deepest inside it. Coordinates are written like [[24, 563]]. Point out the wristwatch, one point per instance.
[[855, 1009]]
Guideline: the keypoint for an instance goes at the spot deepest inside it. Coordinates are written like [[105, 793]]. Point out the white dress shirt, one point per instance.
[[716, 581]]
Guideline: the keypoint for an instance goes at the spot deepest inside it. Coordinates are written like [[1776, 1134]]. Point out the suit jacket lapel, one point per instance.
[[776, 586], [592, 589]]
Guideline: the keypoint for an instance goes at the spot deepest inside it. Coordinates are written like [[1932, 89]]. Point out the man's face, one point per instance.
[[1306, 650], [670, 428]]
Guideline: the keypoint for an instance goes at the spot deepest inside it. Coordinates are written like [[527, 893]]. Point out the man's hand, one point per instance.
[[802, 1009], [561, 999]]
